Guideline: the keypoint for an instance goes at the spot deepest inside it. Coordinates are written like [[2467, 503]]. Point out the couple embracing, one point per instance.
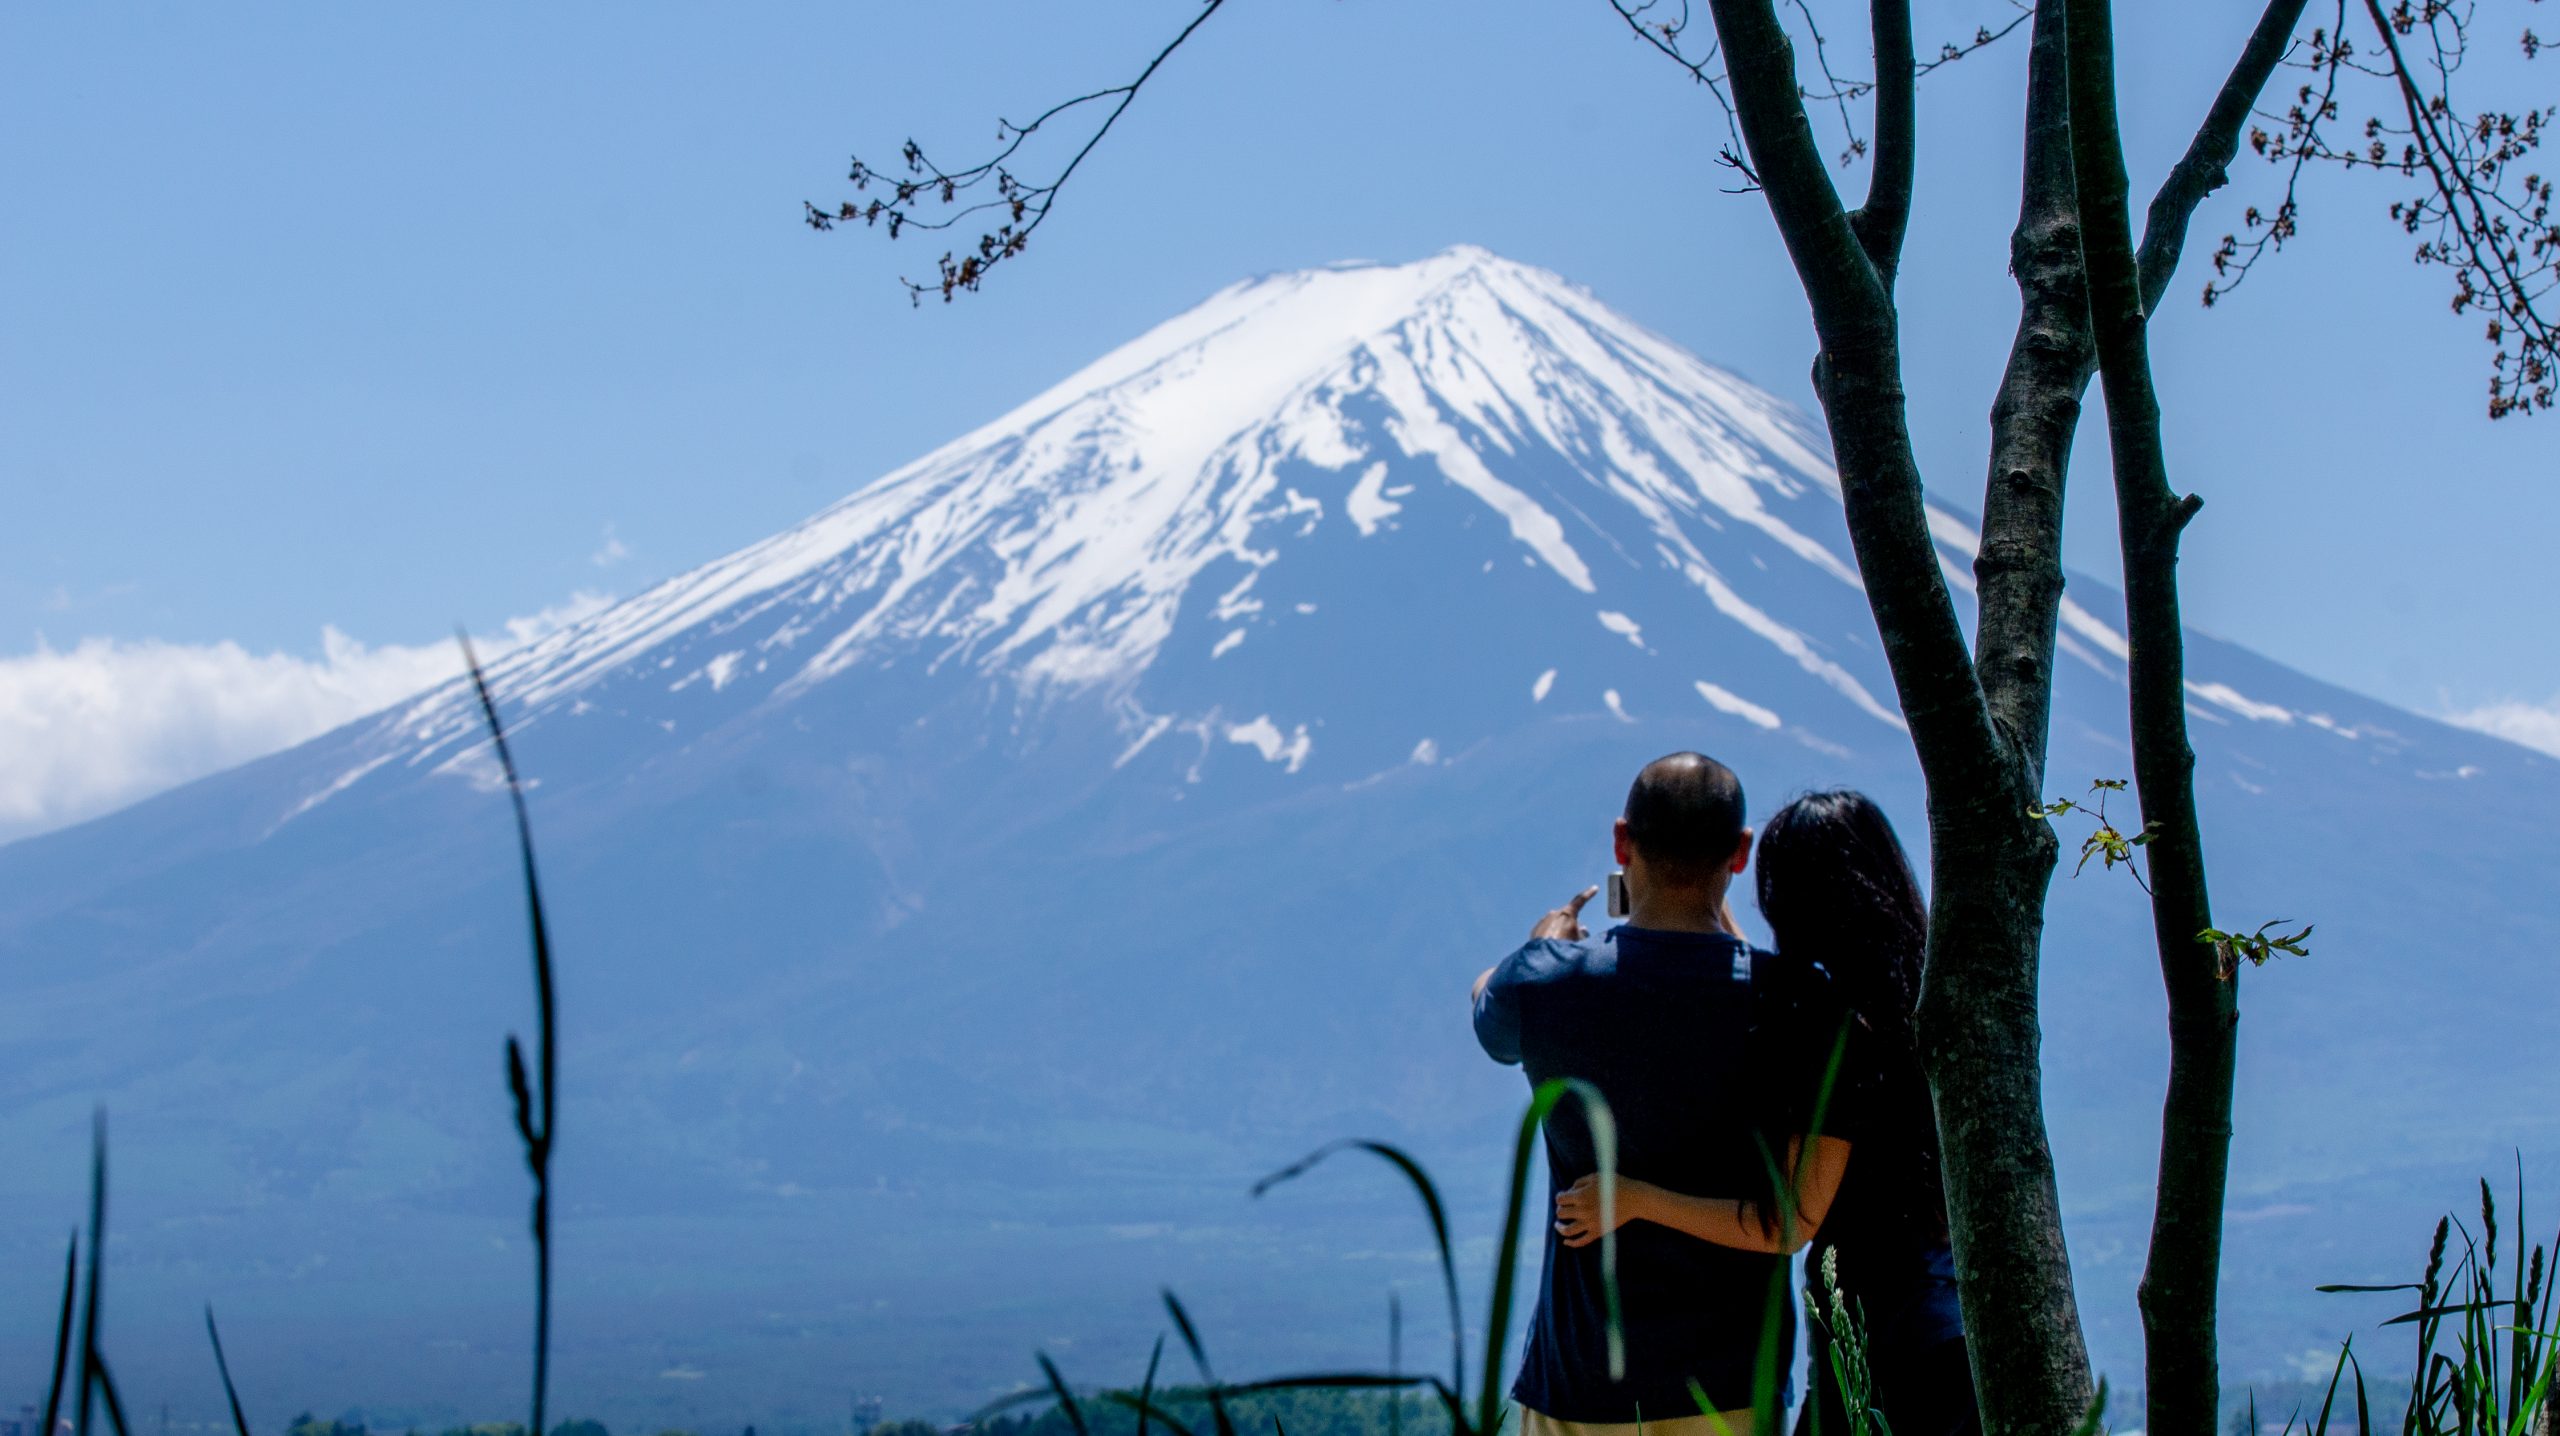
[[1764, 1102]]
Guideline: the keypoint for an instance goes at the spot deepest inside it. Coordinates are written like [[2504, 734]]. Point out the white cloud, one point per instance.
[[612, 551], [2535, 725], [91, 728]]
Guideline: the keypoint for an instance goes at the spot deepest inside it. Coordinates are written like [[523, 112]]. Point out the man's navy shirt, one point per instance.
[[1661, 1023]]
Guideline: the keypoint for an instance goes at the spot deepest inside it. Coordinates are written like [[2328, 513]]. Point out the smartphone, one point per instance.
[[1617, 894]]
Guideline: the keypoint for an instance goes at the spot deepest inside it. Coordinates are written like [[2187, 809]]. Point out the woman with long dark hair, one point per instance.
[[1839, 895]]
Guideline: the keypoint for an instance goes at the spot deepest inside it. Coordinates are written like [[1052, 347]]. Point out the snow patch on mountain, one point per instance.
[[1371, 503], [1789, 642], [2229, 697], [1623, 626], [2535, 725], [1264, 736], [1725, 700]]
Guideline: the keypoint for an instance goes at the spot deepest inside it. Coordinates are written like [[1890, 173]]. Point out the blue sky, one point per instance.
[[327, 318]]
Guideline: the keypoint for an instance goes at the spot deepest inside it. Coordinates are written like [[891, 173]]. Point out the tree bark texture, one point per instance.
[[2179, 1293], [2018, 570]]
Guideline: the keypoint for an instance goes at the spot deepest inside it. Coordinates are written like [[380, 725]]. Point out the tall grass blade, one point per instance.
[[1765, 1375], [1200, 1358], [2519, 1352], [1147, 1388], [538, 1139], [62, 1336], [1066, 1398], [2329, 1401], [239, 1420], [1329, 1381], [2536, 1396], [115, 1402], [1395, 1359], [1604, 1146], [2364, 1408], [1783, 1182], [2439, 1313], [2094, 1420], [2550, 1343], [89, 1360], [1432, 1207], [1707, 1407]]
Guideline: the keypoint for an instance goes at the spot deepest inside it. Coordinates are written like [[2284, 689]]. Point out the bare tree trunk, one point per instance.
[[1982, 1046], [2179, 1295], [1991, 861], [1991, 875], [2180, 1283]]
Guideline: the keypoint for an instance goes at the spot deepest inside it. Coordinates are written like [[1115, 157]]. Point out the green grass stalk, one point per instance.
[[537, 1131]]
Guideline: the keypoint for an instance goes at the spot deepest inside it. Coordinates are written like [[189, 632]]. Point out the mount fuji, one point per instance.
[[961, 896]]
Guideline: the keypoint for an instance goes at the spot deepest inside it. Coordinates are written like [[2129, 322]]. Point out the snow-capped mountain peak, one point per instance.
[[1065, 542]]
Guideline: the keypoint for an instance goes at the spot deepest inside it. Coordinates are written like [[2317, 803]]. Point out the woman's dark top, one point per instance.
[[1887, 1227], [1886, 1236]]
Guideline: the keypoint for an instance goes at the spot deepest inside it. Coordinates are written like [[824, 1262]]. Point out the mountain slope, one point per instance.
[[963, 894]]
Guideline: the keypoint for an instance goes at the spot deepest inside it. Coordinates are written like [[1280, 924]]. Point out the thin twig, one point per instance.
[[2475, 215], [1025, 206]]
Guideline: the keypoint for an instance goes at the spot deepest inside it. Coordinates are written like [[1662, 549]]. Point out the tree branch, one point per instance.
[[1662, 23], [1024, 206], [2206, 166], [2481, 212], [2464, 176], [2018, 571], [1664, 36], [1984, 37], [1842, 284], [2180, 1280], [1859, 378], [1883, 219]]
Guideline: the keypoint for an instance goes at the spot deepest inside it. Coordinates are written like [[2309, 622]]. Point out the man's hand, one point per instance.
[[1564, 922]]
